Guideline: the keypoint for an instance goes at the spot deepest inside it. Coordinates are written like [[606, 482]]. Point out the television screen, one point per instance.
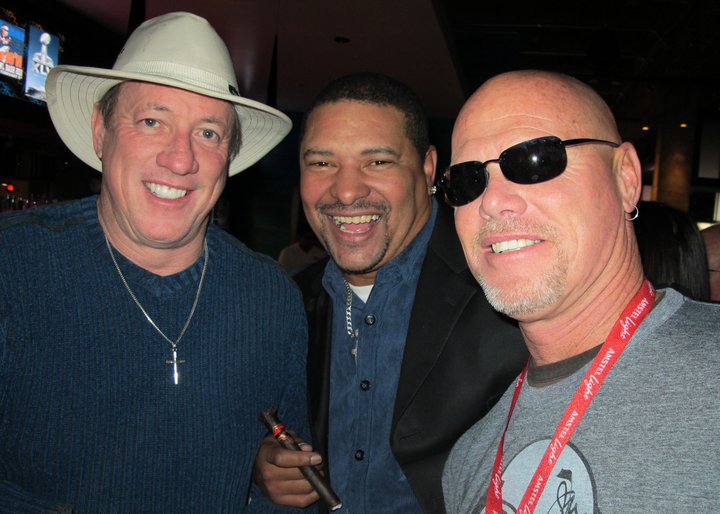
[[42, 56], [12, 44]]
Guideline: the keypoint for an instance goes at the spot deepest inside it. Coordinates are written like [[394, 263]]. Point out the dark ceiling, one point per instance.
[[634, 52]]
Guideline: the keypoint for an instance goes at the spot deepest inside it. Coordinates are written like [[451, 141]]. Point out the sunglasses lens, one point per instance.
[[464, 182], [529, 162], [537, 160]]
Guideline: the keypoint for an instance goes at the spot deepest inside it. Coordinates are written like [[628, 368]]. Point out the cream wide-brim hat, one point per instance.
[[179, 50]]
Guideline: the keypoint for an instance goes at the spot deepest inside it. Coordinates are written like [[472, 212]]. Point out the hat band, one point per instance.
[[197, 78]]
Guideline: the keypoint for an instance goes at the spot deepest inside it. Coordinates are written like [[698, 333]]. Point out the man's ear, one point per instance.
[[429, 165], [628, 175], [97, 124]]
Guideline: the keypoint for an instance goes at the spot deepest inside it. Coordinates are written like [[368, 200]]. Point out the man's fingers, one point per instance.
[[278, 456], [298, 501]]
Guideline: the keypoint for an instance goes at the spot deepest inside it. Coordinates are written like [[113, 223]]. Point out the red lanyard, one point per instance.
[[611, 349]]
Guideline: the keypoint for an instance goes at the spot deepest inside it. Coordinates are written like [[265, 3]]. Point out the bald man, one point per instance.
[[712, 246], [617, 410]]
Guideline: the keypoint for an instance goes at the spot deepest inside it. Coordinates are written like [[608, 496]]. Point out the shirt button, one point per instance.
[[369, 319], [365, 385], [359, 455]]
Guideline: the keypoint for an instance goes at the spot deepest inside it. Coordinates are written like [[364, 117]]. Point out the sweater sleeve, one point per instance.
[[19, 501], [292, 409]]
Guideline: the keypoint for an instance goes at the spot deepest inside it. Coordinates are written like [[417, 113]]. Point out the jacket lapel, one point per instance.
[[444, 288]]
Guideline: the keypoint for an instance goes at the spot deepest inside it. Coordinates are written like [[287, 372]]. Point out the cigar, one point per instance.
[[311, 473]]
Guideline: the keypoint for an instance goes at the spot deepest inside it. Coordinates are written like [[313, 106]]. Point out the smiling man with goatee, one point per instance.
[[405, 352]]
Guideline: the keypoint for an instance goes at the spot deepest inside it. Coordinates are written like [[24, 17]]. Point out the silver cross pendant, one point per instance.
[[175, 361]]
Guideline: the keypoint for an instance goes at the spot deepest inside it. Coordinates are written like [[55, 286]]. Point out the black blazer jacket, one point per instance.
[[460, 356]]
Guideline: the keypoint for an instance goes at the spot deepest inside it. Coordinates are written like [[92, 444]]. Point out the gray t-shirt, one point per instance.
[[649, 442]]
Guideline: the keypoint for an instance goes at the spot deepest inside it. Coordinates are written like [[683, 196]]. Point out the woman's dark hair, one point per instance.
[[672, 249]]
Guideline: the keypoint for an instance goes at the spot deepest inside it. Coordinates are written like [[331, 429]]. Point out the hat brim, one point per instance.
[[72, 92]]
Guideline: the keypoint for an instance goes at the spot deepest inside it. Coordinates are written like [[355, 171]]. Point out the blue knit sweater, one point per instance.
[[89, 415]]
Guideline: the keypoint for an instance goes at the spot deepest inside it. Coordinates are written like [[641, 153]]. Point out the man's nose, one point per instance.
[[179, 156], [349, 185]]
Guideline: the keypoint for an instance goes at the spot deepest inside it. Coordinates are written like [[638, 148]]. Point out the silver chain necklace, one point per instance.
[[353, 333], [173, 344]]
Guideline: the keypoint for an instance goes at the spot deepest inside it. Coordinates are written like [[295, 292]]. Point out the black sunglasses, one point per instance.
[[530, 162]]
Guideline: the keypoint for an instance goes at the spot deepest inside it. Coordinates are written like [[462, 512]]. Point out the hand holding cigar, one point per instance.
[[311, 473]]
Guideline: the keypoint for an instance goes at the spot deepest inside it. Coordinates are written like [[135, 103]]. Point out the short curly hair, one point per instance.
[[376, 88]]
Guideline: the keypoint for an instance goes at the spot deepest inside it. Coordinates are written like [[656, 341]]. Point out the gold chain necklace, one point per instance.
[[173, 344]]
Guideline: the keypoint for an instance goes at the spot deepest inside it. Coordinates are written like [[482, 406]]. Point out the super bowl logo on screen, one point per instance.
[[43, 49], [12, 44]]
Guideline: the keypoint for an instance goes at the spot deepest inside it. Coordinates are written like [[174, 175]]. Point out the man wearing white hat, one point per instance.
[[146, 340]]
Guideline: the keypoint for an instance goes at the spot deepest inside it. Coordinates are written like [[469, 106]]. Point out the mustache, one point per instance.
[[338, 207], [495, 226], [510, 225]]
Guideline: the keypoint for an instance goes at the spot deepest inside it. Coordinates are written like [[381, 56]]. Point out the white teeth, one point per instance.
[[343, 220], [512, 245], [166, 192]]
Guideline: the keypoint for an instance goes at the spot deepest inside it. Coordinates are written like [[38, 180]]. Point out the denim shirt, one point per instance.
[[363, 470]]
